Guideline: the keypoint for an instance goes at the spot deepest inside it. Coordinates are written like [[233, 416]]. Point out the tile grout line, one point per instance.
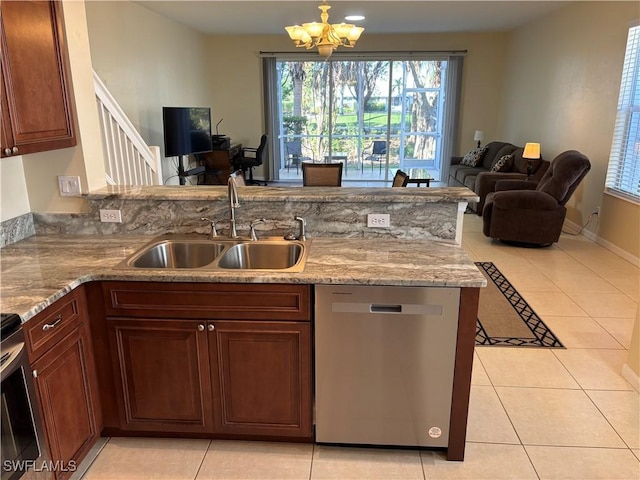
[[203, 458]]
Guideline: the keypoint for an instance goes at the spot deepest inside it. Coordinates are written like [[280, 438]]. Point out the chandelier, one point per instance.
[[324, 36]]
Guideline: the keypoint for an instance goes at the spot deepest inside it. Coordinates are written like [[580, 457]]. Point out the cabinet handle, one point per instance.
[[14, 150], [211, 327], [49, 326], [35, 373], [7, 151], [201, 328]]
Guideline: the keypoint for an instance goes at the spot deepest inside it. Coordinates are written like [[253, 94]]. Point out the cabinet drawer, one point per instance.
[[208, 301], [49, 326]]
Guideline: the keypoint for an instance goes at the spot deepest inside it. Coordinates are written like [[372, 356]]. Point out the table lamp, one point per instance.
[[531, 152], [478, 136]]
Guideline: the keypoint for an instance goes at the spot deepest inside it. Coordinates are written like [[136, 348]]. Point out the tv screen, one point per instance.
[[187, 130]]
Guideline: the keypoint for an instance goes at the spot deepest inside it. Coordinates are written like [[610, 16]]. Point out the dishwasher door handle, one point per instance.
[[389, 308], [385, 308]]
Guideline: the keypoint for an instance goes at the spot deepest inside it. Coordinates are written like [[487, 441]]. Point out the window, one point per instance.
[[374, 114], [623, 174]]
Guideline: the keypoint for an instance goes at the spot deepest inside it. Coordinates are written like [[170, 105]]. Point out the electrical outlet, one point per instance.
[[596, 211], [113, 216], [380, 220], [69, 186]]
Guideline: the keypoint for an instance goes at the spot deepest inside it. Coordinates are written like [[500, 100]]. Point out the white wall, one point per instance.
[[562, 82]]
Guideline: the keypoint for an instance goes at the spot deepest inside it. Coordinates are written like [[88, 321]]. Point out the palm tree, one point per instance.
[[296, 70]]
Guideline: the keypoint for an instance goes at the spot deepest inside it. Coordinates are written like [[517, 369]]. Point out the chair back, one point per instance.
[[564, 175], [321, 174], [400, 179], [379, 147], [260, 149], [294, 148]]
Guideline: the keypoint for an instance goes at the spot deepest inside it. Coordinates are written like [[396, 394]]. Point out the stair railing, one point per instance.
[[128, 160]]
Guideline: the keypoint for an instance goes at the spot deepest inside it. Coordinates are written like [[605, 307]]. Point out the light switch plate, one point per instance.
[[69, 186]]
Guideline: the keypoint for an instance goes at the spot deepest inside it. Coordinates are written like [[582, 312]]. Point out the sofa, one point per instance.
[[490, 169]]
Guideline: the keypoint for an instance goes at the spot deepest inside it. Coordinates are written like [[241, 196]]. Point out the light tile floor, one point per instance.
[[534, 413]]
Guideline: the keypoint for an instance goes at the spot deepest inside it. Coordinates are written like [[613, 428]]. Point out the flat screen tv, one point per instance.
[[187, 130]]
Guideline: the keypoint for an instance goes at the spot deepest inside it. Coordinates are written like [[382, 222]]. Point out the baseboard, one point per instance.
[[630, 376], [605, 243]]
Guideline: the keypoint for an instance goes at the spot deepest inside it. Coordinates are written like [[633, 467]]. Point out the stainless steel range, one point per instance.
[[22, 445]]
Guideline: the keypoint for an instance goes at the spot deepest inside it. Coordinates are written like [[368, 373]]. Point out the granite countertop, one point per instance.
[[42, 268], [280, 194]]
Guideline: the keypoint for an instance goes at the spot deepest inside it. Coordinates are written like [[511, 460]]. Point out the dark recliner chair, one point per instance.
[[527, 214], [249, 158]]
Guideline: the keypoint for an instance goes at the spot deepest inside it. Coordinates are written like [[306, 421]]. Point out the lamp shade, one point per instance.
[[478, 136], [531, 150]]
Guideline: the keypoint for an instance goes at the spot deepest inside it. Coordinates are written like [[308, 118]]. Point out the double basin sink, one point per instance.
[[197, 252]]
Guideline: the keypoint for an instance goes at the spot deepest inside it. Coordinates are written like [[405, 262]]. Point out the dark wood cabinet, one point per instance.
[[36, 106], [218, 165], [262, 374], [230, 360], [163, 370], [65, 381]]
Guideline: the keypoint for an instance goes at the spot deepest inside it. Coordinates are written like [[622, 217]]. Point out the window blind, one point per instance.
[[623, 173]]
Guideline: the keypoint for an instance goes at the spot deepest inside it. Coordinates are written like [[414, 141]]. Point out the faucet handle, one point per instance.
[[214, 232], [252, 229]]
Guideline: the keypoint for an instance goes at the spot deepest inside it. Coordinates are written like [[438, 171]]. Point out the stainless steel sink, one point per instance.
[[262, 256], [177, 254], [196, 252]]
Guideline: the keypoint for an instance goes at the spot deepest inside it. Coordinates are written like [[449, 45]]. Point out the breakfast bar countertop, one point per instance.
[[40, 269]]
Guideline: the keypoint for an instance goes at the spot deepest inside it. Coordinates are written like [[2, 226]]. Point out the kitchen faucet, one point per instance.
[[233, 204], [302, 223]]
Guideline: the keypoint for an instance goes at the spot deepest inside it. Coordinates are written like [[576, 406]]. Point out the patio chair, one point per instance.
[[294, 155], [376, 152]]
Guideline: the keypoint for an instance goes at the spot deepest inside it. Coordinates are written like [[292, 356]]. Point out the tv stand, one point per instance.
[[183, 174]]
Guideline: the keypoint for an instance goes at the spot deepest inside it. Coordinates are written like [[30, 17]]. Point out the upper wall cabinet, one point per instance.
[[36, 107]]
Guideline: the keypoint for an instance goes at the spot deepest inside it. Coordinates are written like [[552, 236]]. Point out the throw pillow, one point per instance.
[[504, 164], [472, 158]]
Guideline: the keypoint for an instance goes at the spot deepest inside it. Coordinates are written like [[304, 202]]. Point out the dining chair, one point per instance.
[[400, 179], [321, 174]]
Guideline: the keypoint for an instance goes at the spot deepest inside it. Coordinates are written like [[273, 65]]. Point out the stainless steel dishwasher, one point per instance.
[[384, 360]]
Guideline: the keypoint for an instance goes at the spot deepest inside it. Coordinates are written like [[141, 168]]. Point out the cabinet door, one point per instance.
[[162, 375], [66, 390], [261, 372], [35, 79]]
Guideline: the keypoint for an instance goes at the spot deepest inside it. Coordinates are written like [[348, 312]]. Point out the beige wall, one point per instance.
[[238, 89], [146, 77], [148, 61], [562, 82], [14, 197]]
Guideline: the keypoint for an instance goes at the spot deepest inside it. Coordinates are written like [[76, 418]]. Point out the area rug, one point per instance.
[[505, 318]]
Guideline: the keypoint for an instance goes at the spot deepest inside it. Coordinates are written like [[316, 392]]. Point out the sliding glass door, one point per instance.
[[375, 116]]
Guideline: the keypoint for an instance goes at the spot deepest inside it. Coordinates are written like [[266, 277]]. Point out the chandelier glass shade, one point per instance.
[[324, 36]]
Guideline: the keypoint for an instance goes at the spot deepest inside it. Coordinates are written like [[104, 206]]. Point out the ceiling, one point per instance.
[[269, 17]]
